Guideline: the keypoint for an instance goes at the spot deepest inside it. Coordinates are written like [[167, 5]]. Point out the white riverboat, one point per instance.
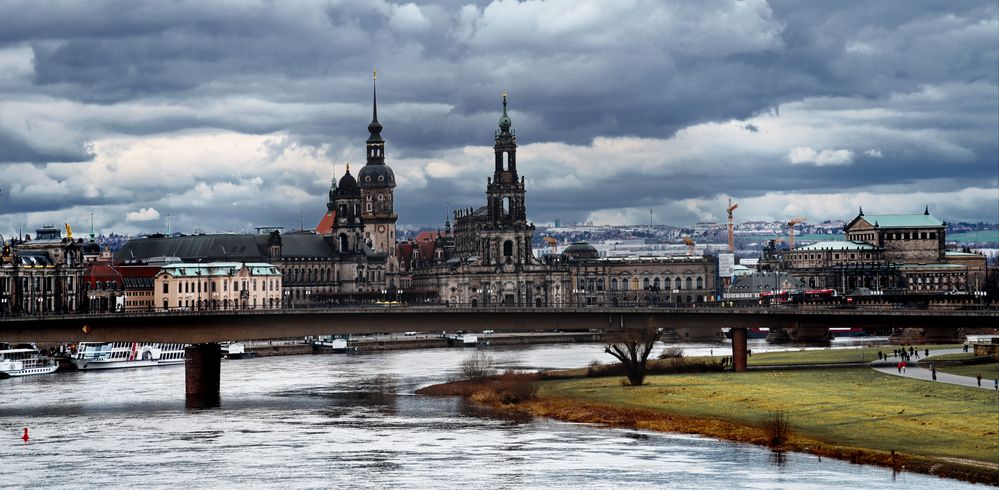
[[114, 355], [25, 362]]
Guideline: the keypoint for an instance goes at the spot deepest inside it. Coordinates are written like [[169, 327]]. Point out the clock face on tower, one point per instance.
[[381, 228]]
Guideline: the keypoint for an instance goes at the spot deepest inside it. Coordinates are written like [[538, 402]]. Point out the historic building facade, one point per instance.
[[218, 286], [641, 281], [43, 275], [486, 259], [888, 252]]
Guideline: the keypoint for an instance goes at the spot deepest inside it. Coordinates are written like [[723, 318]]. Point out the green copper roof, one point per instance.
[[838, 245], [903, 220]]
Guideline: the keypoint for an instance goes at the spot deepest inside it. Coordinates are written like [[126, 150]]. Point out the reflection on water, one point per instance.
[[336, 420], [778, 458]]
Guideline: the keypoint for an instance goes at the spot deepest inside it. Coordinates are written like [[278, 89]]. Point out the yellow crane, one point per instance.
[[790, 230], [731, 225], [552, 242], [689, 242]]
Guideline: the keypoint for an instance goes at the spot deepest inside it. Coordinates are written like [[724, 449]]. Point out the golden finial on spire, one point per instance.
[[348, 167], [374, 74], [504, 94]]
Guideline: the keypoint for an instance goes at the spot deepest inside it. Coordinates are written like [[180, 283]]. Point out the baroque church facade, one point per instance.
[[486, 259]]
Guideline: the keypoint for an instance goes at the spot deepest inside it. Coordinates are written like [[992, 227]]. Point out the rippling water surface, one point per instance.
[[338, 420]]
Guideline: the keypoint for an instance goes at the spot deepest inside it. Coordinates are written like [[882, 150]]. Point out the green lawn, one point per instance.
[[826, 356], [988, 371], [854, 407], [957, 356]]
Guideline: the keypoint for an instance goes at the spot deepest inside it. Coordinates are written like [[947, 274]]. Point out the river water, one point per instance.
[[353, 420]]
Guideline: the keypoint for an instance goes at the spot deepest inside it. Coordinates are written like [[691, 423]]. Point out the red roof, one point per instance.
[[104, 272], [325, 226], [425, 242], [405, 251]]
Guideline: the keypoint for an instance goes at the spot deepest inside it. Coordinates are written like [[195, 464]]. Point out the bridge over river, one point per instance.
[[205, 329]]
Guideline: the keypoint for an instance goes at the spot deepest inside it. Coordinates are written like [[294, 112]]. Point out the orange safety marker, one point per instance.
[[86, 329], [25, 436]]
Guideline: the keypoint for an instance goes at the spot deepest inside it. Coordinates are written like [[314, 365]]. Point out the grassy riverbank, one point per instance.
[[988, 371], [856, 414], [831, 356], [850, 407]]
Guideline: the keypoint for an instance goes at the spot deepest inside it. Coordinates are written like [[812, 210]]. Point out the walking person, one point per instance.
[[903, 367], [899, 366], [933, 371], [979, 380], [927, 353]]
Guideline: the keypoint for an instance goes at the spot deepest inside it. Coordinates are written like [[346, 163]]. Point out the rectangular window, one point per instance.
[[166, 289]]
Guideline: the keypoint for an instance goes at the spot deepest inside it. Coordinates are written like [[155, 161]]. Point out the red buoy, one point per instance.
[[25, 436]]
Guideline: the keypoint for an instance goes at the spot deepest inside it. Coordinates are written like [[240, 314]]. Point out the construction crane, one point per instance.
[[553, 243], [690, 244], [731, 226], [790, 230]]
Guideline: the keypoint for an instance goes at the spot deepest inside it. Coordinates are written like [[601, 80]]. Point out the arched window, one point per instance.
[[614, 284], [689, 282], [344, 244], [506, 206], [700, 283], [508, 248], [655, 283], [624, 284], [645, 283], [677, 283]]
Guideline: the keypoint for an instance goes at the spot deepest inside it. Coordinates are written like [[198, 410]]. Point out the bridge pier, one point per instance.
[[202, 366], [739, 349]]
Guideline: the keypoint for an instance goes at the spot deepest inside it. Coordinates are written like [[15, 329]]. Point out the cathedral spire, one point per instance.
[[375, 143], [505, 122]]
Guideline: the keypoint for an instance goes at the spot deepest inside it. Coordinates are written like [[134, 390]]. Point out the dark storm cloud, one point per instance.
[[575, 71]]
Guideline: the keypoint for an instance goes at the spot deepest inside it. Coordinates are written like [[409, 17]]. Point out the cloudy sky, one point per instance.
[[232, 114]]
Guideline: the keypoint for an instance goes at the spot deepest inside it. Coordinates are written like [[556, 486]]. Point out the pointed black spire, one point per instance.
[[375, 128], [926, 211], [861, 210]]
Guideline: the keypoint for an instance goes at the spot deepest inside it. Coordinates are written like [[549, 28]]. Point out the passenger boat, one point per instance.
[[25, 362], [113, 355]]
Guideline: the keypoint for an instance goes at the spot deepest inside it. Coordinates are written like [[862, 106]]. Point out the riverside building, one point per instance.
[[887, 252]]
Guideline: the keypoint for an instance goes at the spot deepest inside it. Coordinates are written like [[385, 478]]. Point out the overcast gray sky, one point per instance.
[[228, 115]]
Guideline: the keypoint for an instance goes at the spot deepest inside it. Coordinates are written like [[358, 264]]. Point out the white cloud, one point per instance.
[[144, 214], [408, 18], [806, 154], [874, 153], [16, 62]]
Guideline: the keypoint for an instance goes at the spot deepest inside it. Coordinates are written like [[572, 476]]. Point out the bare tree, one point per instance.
[[477, 366], [632, 347]]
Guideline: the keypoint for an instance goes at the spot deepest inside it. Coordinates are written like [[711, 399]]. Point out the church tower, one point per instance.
[[348, 229], [377, 182], [506, 210]]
